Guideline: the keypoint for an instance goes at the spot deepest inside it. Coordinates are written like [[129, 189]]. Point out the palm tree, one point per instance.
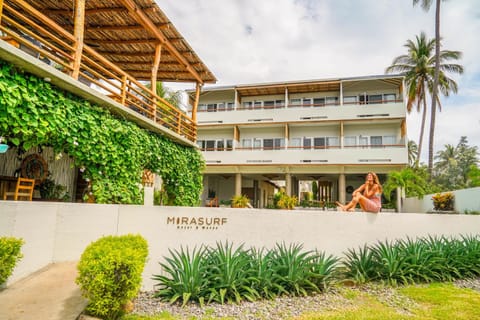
[[410, 182], [426, 4], [412, 153], [418, 67]]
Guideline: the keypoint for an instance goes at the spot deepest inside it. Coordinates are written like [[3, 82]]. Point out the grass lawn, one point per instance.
[[417, 302]]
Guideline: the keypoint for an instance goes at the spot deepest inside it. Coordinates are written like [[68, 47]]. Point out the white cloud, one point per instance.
[[251, 41]]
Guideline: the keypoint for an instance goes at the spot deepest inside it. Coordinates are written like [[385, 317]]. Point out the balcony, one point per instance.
[[300, 113], [377, 154], [111, 52]]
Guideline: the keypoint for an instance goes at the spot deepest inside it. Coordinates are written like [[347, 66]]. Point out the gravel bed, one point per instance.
[[283, 307]]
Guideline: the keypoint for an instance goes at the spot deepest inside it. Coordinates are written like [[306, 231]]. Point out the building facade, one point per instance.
[[258, 137]]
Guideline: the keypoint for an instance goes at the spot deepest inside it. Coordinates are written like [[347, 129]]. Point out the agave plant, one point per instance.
[[262, 276], [292, 270], [324, 270], [229, 274], [360, 266], [184, 276]]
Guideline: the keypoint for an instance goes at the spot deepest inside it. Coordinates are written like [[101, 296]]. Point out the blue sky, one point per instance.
[[251, 41]]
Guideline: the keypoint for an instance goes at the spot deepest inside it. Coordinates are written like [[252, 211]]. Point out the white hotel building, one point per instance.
[[331, 131]]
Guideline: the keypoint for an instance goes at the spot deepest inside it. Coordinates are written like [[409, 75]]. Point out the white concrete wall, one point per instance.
[[60, 232], [466, 199]]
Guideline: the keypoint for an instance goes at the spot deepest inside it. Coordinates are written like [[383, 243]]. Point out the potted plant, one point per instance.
[[49, 190], [3, 146], [240, 201]]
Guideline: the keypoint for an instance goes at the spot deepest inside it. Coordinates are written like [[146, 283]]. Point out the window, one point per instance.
[[201, 144], [307, 102], [257, 104], [269, 104], [363, 141], [332, 101], [296, 142], [375, 98], [211, 107], [389, 140], [350, 141], [229, 144], [295, 102], [257, 143], [376, 141], [318, 102], [268, 144], [202, 107], [307, 143], [247, 143], [350, 99], [332, 141], [247, 105], [220, 145], [210, 145], [319, 143], [230, 106], [279, 103], [221, 106], [389, 97], [279, 143]]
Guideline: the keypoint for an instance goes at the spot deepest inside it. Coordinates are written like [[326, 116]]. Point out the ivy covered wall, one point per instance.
[[113, 152]]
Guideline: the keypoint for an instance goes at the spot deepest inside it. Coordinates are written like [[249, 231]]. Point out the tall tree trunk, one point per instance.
[[435, 87], [422, 131]]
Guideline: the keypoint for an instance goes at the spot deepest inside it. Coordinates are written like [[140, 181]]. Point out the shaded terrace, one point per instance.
[[115, 47]]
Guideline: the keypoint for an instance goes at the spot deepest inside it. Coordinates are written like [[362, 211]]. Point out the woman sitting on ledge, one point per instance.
[[368, 195]]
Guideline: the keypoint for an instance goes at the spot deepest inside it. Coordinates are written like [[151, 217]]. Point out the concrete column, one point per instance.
[[341, 188], [400, 197], [288, 184], [148, 196], [238, 184]]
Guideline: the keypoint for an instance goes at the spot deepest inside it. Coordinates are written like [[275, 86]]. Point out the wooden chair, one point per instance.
[[23, 189], [213, 202]]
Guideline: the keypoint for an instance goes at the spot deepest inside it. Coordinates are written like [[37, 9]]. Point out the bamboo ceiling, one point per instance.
[[113, 29]]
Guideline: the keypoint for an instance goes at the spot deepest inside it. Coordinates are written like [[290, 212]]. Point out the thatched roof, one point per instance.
[[126, 32]]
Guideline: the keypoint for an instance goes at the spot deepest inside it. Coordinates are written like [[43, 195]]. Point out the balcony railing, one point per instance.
[[283, 106], [369, 146], [44, 39]]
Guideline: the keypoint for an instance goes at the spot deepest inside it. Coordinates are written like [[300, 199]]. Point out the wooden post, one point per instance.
[[287, 135], [78, 32], [124, 90], [153, 82], [195, 102], [1, 10]]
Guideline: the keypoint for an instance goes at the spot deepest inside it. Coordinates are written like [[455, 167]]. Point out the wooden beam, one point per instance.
[[78, 29], [111, 28], [88, 12], [132, 41], [148, 24]]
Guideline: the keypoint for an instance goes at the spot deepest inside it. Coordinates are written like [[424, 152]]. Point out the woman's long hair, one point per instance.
[[375, 180]]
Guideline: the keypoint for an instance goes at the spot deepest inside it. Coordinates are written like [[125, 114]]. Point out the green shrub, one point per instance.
[[240, 201], [9, 256], [110, 273], [283, 201]]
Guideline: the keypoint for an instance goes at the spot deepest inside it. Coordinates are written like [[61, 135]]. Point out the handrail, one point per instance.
[[314, 105], [43, 38]]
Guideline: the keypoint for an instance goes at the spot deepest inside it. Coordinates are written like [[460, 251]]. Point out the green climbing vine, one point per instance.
[[113, 152]]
